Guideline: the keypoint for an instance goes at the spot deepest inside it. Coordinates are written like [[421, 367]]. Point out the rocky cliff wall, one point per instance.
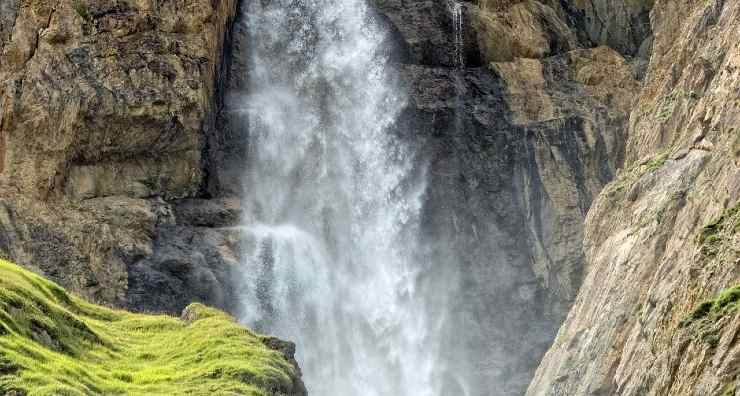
[[516, 145], [119, 163], [107, 115], [662, 238]]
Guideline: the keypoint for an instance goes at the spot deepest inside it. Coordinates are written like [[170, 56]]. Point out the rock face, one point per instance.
[[190, 261], [77, 74], [535, 29], [108, 120], [662, 238], [516, 144], [120, 152]]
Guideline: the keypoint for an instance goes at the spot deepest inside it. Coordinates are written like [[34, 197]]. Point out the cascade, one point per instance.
[[332, 258]]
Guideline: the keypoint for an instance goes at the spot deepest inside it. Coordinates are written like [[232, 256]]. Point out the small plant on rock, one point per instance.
[[81, 9]]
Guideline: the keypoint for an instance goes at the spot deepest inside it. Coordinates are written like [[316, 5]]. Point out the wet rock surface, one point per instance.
[[515, 151], [188, 264]]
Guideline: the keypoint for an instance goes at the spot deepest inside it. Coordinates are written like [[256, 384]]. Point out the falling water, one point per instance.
[[332, 258], [456, 12]]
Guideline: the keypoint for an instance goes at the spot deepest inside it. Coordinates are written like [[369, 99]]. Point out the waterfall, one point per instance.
[[457, 19], [331, 258], [456, 12]]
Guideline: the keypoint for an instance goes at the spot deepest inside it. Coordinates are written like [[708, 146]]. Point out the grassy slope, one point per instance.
[[53, 343]]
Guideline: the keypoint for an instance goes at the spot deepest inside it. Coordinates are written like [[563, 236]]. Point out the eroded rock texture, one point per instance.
[[663, 236], [107, 115], [516, 145]]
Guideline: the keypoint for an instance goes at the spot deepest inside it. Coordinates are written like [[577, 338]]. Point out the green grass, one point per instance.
[[81, 9], [715, 308], [710, 233], [627, 177], [637, 170], [703, 319], [668, 104], [53, 343], [729, 390]]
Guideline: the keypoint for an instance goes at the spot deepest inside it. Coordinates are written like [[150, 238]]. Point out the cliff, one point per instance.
[[108, 121], [52, 342], [661, 240], [121, 160], [517, 141]]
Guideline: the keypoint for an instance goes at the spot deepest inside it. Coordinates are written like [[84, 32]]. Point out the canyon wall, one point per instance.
[[107, 135], [516, 144], [121, 153], [661, 241]]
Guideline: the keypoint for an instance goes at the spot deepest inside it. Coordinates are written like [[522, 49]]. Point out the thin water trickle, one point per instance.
[[457, 19], [332, 256], [456, 12]]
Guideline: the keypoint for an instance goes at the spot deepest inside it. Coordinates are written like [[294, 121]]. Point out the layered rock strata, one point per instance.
[[515, 144], [107, 115], [662, 238]]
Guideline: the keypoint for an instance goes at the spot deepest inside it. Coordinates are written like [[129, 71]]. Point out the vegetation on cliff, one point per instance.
[[710, 234], [53, 343], [716, 242], [727, 299]]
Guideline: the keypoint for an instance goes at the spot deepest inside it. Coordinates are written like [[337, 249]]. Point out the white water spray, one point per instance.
[[332, 259]]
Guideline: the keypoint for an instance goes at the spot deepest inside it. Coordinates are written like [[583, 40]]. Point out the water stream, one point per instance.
[[332, 256], [456, 13], [457, 19]]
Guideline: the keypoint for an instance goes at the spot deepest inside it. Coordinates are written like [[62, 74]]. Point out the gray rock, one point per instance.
[[220, 212], [188, 265], [514, 164], [654, 253]]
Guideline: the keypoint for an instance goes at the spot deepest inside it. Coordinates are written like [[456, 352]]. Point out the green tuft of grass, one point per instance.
[[710, 233], [81, 9], [714, 309], [668, 103], [637, 170], [729, 389], [629, 176], [54, 343]]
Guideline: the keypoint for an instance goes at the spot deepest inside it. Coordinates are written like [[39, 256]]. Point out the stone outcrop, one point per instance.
[[536, 29], [108, 120], [662, 237], [516, 145], [109, 98]]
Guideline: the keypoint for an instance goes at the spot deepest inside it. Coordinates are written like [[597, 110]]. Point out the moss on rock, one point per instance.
[[715, 308], [53, 343], [710, 233]]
